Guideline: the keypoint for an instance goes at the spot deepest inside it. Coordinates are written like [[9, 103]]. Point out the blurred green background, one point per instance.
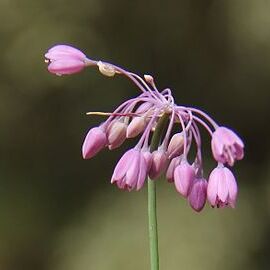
[[59, 212]]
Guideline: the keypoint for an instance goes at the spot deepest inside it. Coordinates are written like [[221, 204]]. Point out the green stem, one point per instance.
[[152, 207]]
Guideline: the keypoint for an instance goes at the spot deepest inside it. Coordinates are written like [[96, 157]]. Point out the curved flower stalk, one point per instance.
[[139, 117]]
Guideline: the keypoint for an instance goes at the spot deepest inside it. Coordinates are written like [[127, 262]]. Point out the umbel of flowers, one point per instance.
[[138, 117]]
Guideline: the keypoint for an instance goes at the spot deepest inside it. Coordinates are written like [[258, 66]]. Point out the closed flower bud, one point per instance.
[[136, 126], [184, 175], [144, 107], [197, 195], [176, 144], [65, 59], [170, 171], [116, 134], [95, 140], [159, 163]]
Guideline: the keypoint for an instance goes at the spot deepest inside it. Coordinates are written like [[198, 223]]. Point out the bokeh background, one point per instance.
[[59, 212]]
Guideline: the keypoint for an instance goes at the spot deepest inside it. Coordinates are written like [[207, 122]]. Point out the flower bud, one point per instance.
[[170, 171], [159, 163], [136, 126], [116, 134], [176, 144], [184, 175], [65, 59], [95, 140], [197, 195]]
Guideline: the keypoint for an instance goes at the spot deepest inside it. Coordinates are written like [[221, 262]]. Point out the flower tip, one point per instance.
[[65, 60]]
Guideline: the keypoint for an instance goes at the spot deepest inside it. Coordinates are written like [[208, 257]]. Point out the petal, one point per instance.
[[66, 66], [212, 187]]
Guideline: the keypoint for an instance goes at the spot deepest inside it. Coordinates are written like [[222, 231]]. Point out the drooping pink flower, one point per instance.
[[222, 188], [197, 195], [116, 134], [94, 141], [170, 171], [184, 175], [136, 126], [131, 170], [159, 163], [64, 59], [226, 146], [175, 147]]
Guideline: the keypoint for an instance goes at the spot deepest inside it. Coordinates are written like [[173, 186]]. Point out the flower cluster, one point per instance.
[[139, 116]]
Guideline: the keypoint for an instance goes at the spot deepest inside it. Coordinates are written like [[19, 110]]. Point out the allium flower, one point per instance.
[[197, 195], [95, 141], [131, 170], [226, 146], [159, 163], [141, 115], [222, 188], [184, 175], [65, 59]]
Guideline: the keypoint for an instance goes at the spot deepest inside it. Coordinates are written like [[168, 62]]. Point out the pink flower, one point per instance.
[[184, 175], [159, 163], [197, 195], [170, 171], [94, 141], [176, 144], [222, 188], [226, 146], [131, 170], [116, 134], [65, 59]]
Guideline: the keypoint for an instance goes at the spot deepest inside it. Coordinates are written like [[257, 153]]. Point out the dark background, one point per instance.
[[58, 211]]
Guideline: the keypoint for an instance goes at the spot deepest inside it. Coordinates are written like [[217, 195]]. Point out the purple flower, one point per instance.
[[170, 171], [197, 195], [116, 134], [140, 115], [222, 188], [94, 141], [65, 59], [226, 146], [131, 170], [184, 175], [176, 144], [159, 163]]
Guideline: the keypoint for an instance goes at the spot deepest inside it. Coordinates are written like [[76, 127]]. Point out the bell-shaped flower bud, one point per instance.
[[95, 140], [64, 59], [197, 195], [131, 170], [226, 146], [144, 107], [184, 175], [159, 163], [116, 134], [222, 188], [176, 145], [170, 171], [136, 126]]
